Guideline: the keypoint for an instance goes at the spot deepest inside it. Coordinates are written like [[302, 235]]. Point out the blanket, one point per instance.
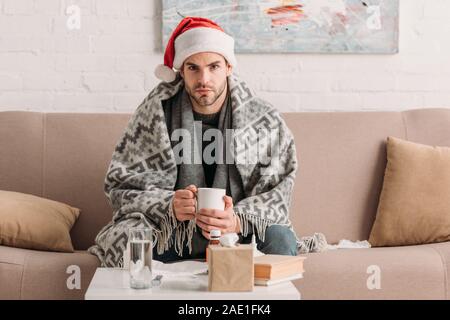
[[142, 175]]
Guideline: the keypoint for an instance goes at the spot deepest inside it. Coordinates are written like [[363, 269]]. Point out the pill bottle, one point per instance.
[[214, 236]]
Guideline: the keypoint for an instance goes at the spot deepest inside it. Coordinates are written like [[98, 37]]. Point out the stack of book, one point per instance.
[[272, 269]]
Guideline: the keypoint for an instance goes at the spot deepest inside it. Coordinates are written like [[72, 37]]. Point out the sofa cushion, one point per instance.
[[414, 204], [32, 274], [31, 222], [407, 272]]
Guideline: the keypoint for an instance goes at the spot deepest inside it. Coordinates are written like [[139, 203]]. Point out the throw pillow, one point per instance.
[[414, 205], [31, 222]]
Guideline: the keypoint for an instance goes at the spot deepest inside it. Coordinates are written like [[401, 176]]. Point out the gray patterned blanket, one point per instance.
[[142, 175]]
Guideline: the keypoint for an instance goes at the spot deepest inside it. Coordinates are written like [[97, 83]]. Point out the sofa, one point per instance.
[[342, 158]]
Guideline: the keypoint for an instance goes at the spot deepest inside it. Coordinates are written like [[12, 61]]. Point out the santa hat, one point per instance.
[[194, 35]]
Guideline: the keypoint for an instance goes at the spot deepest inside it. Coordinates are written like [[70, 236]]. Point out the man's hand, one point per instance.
[[224, 220], [184, 203]]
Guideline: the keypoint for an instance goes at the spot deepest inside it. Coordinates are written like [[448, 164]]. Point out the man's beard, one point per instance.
[[206, 100]]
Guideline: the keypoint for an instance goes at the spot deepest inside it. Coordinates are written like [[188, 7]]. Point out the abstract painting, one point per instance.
[[309, 26]]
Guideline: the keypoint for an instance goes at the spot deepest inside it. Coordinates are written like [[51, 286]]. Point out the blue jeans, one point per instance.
[[278, 240]]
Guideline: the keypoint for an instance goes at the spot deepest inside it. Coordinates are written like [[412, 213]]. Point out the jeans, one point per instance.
[[278, 240]]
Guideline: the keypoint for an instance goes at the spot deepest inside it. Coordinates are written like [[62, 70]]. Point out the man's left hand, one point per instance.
[[224, 220]]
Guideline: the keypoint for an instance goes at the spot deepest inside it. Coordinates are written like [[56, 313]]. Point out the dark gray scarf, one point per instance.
[[179, 115]]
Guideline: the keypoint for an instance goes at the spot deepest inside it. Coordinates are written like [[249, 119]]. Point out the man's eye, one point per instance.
[[192, 68], [215, 66]]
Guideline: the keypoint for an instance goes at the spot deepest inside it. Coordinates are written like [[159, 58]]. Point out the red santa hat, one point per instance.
[[191, 36]]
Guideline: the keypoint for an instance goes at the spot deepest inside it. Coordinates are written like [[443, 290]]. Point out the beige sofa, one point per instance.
[[342, 158]]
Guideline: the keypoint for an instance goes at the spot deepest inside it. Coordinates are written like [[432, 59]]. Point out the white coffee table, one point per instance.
[[113, 284]]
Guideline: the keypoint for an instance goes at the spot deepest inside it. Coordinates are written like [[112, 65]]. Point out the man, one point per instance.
[[160, 161]]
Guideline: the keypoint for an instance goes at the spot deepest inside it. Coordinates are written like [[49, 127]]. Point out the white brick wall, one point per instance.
[[107, 65]]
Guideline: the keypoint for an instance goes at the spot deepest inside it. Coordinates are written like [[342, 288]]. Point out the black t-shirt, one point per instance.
[[209, 121]]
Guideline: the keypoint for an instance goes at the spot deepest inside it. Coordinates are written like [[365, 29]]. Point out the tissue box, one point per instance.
[[230, 268]]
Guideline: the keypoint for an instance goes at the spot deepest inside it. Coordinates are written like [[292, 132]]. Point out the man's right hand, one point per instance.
[[184, 203]]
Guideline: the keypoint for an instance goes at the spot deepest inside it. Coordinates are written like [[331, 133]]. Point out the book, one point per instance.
[[267, 282], [273, 266]]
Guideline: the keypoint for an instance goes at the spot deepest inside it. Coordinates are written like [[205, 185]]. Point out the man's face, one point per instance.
[[205, 77]]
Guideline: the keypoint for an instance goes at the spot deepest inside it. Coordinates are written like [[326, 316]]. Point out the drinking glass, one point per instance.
[[140, 239]]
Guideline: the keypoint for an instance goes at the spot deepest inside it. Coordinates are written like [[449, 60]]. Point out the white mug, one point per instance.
[[210, 198]]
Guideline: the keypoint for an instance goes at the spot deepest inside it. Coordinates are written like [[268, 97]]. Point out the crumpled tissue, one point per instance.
[[348, 244], [229, 240]]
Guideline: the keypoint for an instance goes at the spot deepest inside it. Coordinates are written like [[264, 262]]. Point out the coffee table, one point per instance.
[[113, 284]]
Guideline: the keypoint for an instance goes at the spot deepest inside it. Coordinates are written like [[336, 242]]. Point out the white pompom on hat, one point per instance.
[[191, 36], [165, 73]]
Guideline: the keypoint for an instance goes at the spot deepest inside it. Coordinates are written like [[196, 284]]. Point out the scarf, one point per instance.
[[143, 173], [179, 115]]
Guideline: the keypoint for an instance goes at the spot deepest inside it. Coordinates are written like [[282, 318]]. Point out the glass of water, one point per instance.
[[140, 239]]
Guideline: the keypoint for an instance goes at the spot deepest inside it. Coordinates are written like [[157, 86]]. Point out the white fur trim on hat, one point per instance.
[[203, 40], [165, 73]]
